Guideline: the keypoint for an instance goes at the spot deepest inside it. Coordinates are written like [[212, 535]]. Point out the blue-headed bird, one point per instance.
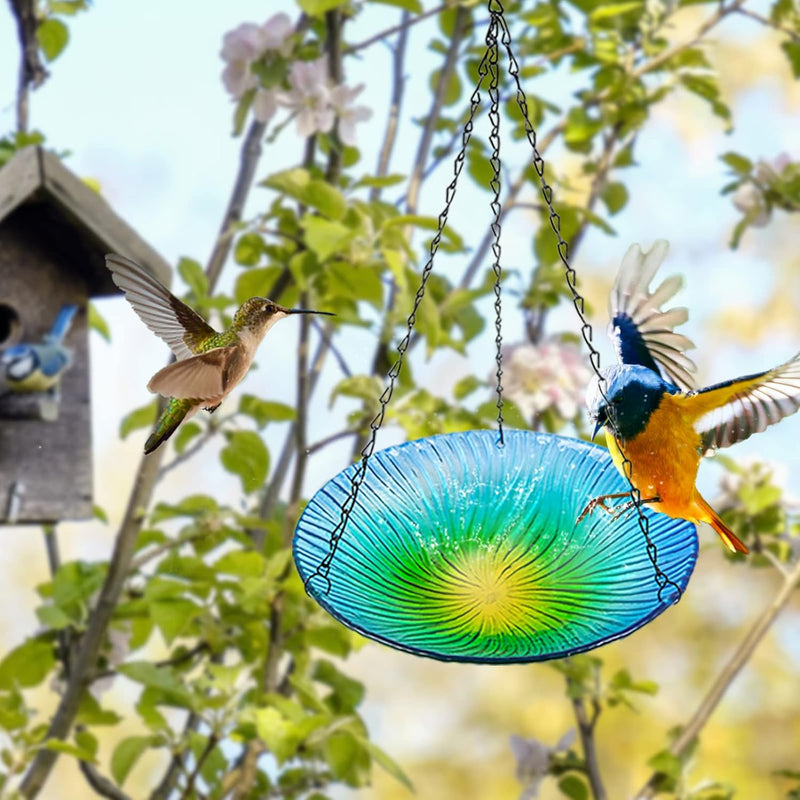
[[651, 409], [209, 364], [39, 367]]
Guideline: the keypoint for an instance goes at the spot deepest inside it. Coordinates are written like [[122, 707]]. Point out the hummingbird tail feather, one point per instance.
[[731, 540], [172, 416]]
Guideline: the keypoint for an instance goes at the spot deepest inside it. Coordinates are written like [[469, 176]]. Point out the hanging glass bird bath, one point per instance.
[[461, 550]]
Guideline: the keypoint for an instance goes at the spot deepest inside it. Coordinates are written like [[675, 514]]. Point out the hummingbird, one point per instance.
[[656, 417], [209, 364], [39, 367]]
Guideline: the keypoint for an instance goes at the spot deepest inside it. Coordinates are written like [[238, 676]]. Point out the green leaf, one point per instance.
[[27, 665], [467, 386], [738, 163], [246, 455], [380, 182], [792, 50], [173, 616], [277, 732], [193, 276], [388, 763], [53, 36], [573, 787], [53, 617], [453, 89], [316, 8], [127, 753], [60, 746], [347, 757], [326, 199], [241, 563], [186, 432], [667, 763], [414, 6], [160, 678], [255, 283], [142, 417], [612, 10], [97, 323], [615, 196], [325, 237], [264, 411], [248, 250]]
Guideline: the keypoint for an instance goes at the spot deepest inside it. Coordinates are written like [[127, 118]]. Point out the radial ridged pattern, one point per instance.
[[462, 550]]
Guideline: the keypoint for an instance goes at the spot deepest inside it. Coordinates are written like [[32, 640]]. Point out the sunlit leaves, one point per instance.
[[246, 456], [127, 753], [53, 36], [142, 417]]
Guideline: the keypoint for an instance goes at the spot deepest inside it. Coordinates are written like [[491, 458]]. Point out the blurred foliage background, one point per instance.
[[211, 673]]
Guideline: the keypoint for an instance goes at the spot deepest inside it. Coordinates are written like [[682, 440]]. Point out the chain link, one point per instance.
[[492, 51], [488, 62], [662, 579]]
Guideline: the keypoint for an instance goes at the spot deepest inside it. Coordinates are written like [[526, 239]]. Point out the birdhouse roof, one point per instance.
[[74, 216]]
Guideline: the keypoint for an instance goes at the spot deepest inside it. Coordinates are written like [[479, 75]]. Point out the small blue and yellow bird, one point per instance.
[[39, 367], [652, 412]]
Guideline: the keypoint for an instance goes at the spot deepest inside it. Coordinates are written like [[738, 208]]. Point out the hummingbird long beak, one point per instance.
[[309, 311]]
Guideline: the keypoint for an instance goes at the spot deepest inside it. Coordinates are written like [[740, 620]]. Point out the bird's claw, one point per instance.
[[595, 502]]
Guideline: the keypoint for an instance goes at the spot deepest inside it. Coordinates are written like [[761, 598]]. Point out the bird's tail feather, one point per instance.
[[731, 540], [61, 325], [172, 416]]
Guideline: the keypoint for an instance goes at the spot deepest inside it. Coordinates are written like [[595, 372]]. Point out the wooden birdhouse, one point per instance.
[[54, 234]]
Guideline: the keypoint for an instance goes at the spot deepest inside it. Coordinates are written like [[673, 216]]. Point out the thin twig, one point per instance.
[[403, 26], [207, 750], [395, 104], [205, 437], [248, 161], [324, 332], [102, 785], [172, 544], [334, 437], [726, 677], [31, 69], [182, 658], [769, 23], [586, 728]]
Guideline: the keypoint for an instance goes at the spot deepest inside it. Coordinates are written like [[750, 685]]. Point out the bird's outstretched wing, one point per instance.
[[203, 377], [642, 333], [178, 325], [731, 412]]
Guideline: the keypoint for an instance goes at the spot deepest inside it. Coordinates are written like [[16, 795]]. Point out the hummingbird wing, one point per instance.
[[642, 333], [182, 328], [208, 376], [731, 412]]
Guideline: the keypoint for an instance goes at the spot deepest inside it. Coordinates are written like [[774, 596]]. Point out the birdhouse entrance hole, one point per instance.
[[9, 325]]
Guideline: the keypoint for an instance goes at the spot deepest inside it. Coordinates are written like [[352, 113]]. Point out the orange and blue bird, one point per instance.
[[651, 409]]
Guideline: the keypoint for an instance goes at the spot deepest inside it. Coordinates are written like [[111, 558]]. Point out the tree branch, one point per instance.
[[207, 750], [144, 484], [395, 104], [102, 785], [32, 71], [726, 677], [586, 728]]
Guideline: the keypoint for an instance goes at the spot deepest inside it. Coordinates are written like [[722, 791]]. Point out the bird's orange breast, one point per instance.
[[664, 458]]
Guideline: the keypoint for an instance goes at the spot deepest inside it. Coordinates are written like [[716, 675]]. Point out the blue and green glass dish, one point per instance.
[[464, 550]]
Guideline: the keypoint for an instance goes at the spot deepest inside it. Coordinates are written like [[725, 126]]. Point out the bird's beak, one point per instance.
[[598, 423], [309, 311]]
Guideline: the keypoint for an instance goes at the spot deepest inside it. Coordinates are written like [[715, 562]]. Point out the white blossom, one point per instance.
[[342, 98], [265, 104], [551, 374], [533, 760], [310, 97], [750, 201], [248, 43]]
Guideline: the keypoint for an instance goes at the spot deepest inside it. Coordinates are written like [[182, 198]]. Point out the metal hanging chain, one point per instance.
[[490, 57], [492, 52], [497, 18]]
